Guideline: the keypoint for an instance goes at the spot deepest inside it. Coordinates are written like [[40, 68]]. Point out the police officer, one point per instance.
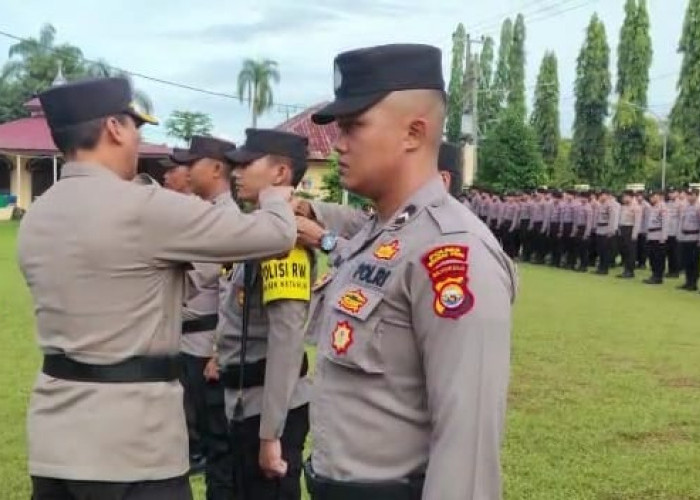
[[261, 351], [605, 231], [689, 239], [176, 177], [657, 234], [395, 405], [554, 220], [583, 223], [450, 160], [674, 206], [508, 224], [537, 228], [642, 238], [525, 211], [103, 258], [630, 224], [209, 174]]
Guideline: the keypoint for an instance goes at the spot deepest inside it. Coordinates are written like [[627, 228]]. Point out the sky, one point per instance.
[[203, 44]]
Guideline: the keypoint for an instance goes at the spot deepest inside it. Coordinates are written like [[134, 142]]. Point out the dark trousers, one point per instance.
[[493, 225], [593, 249], [628, 249], [554, 245], [580, 248], [568, 243], [657, 258], [538, 241], [44, 488], [245, 444], [673, 255], [603, 249], [508, 238], [690, 254], [642, 250], [614, 249], [204, 403], [526, 240]]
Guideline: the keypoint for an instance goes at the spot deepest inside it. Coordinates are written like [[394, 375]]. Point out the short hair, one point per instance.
[[83, 135], [297, 165]]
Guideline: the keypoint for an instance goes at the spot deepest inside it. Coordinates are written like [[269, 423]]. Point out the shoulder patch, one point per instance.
[[288, 278], [448, 271]]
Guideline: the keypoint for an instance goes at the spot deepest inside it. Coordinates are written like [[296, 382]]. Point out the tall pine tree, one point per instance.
[[501, 81], [516, 69], [489, 104], [685, 118], [545, 115], [634, 56], [455, 105], [592, 90]]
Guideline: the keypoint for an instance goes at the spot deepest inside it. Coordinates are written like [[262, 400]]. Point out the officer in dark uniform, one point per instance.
[[104, 259]]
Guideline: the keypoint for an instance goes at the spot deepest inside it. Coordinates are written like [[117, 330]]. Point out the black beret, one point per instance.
[[86, 100], [202, 147], [364, 77]]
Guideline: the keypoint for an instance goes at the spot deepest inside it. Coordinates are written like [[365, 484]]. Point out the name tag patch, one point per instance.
[[288, 278], [372, 274]]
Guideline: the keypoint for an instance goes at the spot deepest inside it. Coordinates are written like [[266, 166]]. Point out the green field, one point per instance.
[[604, 400]]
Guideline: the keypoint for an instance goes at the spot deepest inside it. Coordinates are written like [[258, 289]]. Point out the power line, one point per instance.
[[280, 106]]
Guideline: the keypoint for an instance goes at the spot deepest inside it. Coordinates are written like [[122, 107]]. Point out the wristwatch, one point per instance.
[[329, 240]]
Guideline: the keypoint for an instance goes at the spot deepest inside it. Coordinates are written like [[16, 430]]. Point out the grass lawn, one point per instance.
[[604, 400]]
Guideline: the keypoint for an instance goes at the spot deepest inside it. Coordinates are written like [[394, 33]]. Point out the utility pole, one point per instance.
[[470, 115]]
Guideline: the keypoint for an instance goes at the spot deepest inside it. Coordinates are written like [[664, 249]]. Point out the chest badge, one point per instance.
[[387, 251], [353, 301], [342, 337]]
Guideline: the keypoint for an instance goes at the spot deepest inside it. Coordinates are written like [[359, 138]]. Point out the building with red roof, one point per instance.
[[321, 140], [30, 162]]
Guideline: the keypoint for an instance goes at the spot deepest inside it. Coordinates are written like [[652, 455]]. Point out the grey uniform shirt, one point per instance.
[[645, 216], [657, 223], [202, 297], [275, 333], [674, 217], [584, 218], [539, 209], [689, 226], [411, 375], [631, 216], [104, 260], [567, 212]]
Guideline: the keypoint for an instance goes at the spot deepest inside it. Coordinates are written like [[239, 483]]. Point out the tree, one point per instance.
[[32, 66], [633, 63], [685, 117], [455, 105], [563, 175], [185, 124], [501, 82], [334, 188], [489, 104], [255, 85], [101, 69], [592, 89], [545, 115], [516, 69], [509, 156]]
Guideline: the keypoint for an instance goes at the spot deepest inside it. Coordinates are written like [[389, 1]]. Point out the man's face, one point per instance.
[[203, 175], [673, 196], [253, 177], [654, 199], [370, 150], [692, 198], [178, 179]]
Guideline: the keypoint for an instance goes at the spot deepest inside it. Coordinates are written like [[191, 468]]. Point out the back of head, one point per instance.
[[450, 160]]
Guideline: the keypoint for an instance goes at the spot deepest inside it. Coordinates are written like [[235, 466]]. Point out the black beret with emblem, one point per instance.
[[86, 100], [364, 77], [202, 147]]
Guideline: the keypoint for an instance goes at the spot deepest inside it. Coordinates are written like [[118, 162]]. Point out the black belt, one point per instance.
[[655, 230], [253, 375], [601, 224], [691, 232], [201, 324], [322, 488], [132, 370]]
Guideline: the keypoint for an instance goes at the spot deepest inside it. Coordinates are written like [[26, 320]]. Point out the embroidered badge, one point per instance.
[[387, 251], [448, 272], [342, 337], [353, 301]]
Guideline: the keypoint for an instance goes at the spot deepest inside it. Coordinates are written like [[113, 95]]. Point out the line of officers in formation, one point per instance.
[[140, 291], [580, 229]]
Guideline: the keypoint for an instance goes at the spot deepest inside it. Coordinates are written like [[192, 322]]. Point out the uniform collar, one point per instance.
[[222, 198], [86, 169]]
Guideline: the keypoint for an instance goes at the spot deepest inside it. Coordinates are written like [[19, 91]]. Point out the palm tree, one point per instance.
[[255, 85], [36, 60], [101, 69]]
